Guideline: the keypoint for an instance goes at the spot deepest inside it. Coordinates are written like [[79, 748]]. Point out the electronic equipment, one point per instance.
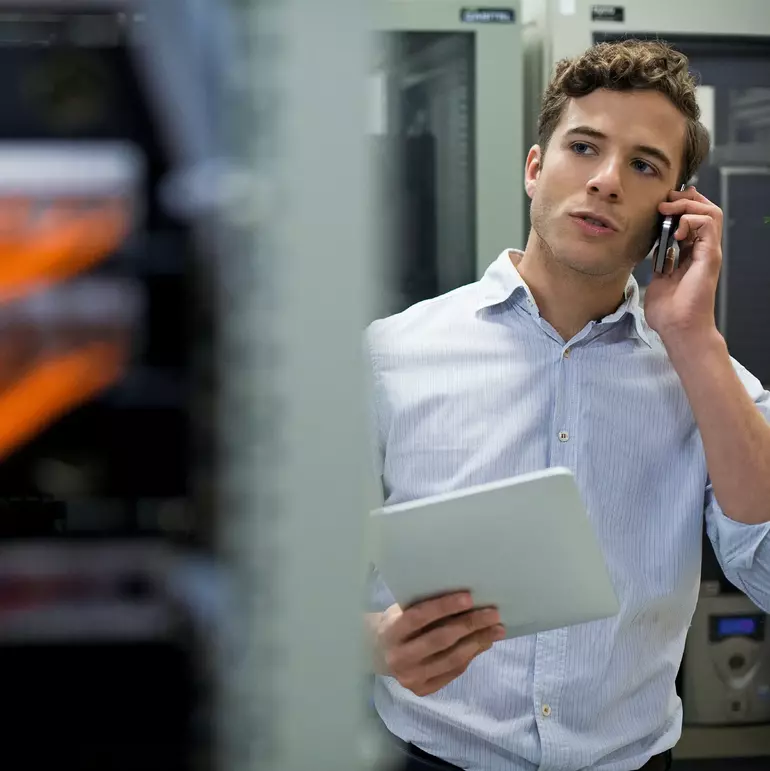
[[726, 668], [666, 250], [446, 120], [105, 499], [416, 546]]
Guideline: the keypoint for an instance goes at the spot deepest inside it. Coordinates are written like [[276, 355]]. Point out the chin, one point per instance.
[[588, 259], [596, 269]]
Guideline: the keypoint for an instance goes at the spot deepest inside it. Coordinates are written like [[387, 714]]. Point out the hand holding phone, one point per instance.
[[667, 248]]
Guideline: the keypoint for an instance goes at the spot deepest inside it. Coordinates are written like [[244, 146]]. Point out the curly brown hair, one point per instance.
[[628, 65]]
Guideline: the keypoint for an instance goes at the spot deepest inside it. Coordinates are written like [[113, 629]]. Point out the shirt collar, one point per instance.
[[502, 282]]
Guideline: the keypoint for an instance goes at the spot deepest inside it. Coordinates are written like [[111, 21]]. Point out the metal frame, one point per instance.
[[564, 28], [571, 32], [499, 138]]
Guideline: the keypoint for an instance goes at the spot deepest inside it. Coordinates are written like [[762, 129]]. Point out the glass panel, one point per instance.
[[422, 119], [746, 274], [749, 116]]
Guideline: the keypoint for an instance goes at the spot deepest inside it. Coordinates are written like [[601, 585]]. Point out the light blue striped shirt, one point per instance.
[[475, 386]]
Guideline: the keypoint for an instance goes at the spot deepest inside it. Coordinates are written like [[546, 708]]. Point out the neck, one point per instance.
[[566, 298]]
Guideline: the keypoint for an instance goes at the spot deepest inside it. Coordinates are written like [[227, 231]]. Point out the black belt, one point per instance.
[[419, 760]]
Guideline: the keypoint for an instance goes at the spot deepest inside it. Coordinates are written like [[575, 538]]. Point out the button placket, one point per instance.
[[550, 669], [566, 407]]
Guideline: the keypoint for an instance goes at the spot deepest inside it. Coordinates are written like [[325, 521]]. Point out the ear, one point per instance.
[[532, 169]]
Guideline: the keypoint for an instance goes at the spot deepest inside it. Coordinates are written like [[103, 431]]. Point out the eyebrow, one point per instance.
[[653, 152]]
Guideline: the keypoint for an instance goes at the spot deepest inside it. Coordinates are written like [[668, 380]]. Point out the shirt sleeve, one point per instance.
[[743, 551]]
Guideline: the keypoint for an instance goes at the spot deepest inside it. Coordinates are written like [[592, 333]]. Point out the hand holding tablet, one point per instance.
[[524, 546], [431, 643]]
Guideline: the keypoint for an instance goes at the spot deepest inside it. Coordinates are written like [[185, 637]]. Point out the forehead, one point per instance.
[[631, 117]]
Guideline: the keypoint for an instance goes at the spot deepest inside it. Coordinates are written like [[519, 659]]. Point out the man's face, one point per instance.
[[614, 155]]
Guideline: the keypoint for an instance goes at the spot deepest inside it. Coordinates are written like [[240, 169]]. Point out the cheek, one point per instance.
[[558, 184], [642, 237], [649, 226], [539, 211], [544, 200]]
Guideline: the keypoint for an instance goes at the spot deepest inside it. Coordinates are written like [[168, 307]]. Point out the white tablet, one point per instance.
[[525, 545]]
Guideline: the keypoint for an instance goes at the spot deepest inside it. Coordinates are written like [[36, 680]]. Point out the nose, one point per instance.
[[606, 181]]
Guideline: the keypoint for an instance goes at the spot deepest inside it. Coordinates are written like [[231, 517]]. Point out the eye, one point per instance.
[[644, 167], [581, 148]]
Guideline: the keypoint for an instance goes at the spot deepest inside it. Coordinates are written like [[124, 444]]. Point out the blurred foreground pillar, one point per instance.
[[295, 288]]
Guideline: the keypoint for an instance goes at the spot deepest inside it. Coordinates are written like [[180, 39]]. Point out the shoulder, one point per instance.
[[426, 323]]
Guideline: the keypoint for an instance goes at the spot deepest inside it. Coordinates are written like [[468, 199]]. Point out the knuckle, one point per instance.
[[460, 658], [392, 661], [482, 644], [447, 602], [444, 607], [452, 603], [445, 637], [482, 619], [415, 616], [408, 680]]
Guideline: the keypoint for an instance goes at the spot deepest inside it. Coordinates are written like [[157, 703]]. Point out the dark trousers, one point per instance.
[[417, 760]]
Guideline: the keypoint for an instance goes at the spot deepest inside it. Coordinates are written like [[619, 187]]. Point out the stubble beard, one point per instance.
[[541, 216]]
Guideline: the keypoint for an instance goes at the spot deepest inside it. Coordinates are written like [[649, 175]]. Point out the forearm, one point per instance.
[[736, 436]]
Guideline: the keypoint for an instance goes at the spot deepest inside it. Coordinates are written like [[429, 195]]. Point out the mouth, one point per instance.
[[593, 223]]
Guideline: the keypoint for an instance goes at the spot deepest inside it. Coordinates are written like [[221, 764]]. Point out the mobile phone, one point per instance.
[[667, 246]]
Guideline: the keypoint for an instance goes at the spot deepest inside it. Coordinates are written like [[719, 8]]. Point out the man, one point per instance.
[[549, 360]]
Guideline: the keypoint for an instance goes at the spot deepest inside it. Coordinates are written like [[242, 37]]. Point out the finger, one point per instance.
[[437, 683], [685, 260], [695, 227], [452, 662], [669, 264], [461, 654], [688, 206], [424, 614], [443, 637], [692, 193]]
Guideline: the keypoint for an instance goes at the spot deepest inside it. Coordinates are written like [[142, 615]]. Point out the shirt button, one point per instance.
[[546, 711], [563, 436], [567, 352]]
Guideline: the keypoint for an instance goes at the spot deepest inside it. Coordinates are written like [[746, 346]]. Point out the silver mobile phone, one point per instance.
[[668, 246]]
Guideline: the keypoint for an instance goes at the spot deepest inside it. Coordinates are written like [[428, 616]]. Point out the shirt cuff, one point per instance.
[[738, 544]]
